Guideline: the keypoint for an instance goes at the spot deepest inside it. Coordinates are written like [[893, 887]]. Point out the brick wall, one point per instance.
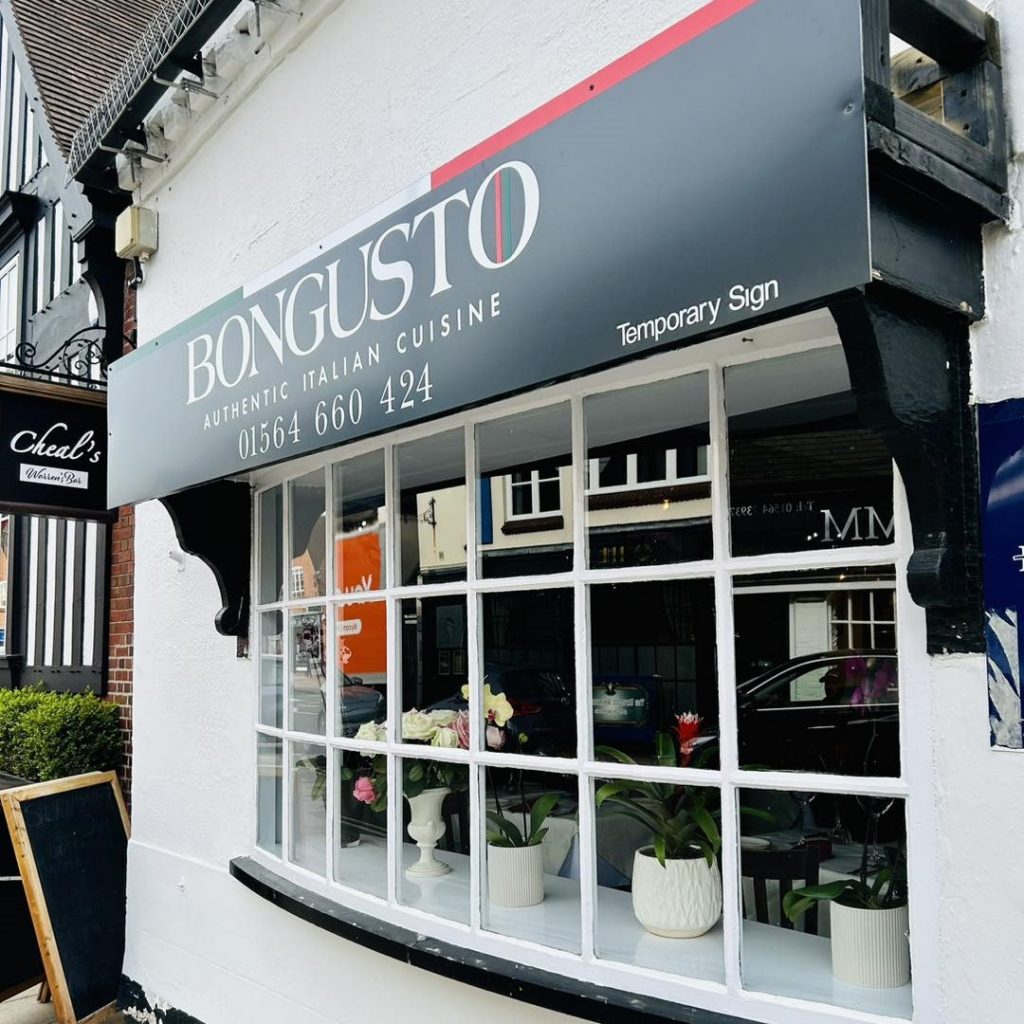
[[121, 635]]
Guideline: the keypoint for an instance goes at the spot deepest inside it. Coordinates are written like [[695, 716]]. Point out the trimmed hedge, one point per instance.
[[50, 735]]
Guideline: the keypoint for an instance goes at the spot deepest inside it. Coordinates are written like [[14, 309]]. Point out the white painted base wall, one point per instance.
[[379, 94]]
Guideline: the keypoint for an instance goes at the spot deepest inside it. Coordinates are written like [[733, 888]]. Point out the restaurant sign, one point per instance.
[[53, 449], [714, 176]]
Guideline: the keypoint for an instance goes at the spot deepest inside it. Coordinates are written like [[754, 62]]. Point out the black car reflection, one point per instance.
[[834, 713], [544, 719], [358, 704]]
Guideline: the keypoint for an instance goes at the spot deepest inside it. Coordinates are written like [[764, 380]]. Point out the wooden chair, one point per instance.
[[785, 867]]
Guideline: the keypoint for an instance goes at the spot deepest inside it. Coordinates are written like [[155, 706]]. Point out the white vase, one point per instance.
[[871, 948], [515, 875], [426, 826], [681, 900]]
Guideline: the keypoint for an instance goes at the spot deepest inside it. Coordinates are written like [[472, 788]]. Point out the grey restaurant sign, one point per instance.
[[715, 175]]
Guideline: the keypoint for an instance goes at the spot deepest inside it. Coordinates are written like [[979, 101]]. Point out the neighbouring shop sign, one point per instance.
[[1001, 439], [53, 449], [713, 176]]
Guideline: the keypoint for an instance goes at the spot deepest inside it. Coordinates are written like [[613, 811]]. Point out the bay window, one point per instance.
[[695, 649]]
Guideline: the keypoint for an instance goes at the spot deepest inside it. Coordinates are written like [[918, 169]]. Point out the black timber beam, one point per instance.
[[954, 32], [909, 364]]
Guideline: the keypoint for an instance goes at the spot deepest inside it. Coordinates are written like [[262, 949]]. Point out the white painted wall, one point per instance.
[[377, 94]]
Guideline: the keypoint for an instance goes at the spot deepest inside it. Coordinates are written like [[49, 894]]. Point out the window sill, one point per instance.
[[533, 524], [493, 974]]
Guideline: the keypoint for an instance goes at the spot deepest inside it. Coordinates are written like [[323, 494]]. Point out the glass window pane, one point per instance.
[[307, 496], [360, 833], [795, 839], [360, 631], [268, 797], [359, 531], [436, 838], [272, 669], [529, 662], [644, 910], [307, 664], [434, 658], [271, 545], [520, 534], [532, 866], [662, 514], [653, 660], [805, 700], [803, 473], [432, 498], [308, 803]]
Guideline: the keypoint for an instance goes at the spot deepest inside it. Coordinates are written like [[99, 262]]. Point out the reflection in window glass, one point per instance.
[[360, 832], [359, 531], [272, 669], [436, 837], [307, 665], [308, 803], [307, 496], [268, 797], [524, 508], [653, 660], [434, 666], [804, 475], [360, 629], [533, 884], [641, 918], [647, 484], [529, 660], [818, 679], [271, 545], [854, 843], [432, 498]]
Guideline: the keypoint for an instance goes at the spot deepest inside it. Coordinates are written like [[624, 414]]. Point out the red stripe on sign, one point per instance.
[[647, 53]]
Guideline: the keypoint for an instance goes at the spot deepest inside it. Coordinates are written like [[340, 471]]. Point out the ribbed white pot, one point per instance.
[[681, 900], [515, 875], [871, 948], [426, 826]]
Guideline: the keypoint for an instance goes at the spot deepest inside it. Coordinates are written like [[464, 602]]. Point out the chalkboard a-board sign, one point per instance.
[[70, 838], [21, 967]]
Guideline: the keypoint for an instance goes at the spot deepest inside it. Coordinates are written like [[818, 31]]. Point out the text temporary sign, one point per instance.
[[715, 175]]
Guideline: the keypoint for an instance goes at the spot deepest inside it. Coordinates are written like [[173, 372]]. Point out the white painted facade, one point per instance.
[[334, 114]]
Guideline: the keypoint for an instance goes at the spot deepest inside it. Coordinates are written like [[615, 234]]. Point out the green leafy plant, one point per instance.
[[887, 889], [47, 736], [505, 832]]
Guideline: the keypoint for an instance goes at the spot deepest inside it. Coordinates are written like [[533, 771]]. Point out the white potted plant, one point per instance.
[[870, 924], [515, 857]]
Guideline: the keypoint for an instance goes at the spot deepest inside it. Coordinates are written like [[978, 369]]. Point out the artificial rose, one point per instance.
[[363, 790], [495, 737], [443, 717], [376, 731], [445, 737], [418, 726], [461, 727], [687, 731]]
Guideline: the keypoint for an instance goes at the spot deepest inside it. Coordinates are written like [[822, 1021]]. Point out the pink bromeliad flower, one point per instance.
[[687, 731]]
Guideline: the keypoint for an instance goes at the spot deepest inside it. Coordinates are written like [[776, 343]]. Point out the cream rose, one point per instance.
[[418, 726], [445, 737]]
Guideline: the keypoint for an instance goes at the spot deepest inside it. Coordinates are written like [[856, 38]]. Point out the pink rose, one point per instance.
[[363, 790], [495, 737], [461, 727]]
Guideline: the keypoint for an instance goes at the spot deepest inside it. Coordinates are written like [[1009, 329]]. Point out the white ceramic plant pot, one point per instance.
[[871, 948], [515, 875], [426, 826], [681, 900]]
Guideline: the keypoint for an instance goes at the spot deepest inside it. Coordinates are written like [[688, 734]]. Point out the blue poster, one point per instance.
[[1001, 442]]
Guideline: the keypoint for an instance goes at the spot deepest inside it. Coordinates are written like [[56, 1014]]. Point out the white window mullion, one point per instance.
[[631, 470], [51, 593], [31, 624], [287, 755], [474, 668], [327, 644], [73, 526]]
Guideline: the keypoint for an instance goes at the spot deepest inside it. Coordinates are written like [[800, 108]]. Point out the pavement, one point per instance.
[[26, 1009]]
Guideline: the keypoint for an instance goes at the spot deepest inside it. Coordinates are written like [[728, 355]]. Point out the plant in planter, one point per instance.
[[515, 857], [870, 922], [677, 887]]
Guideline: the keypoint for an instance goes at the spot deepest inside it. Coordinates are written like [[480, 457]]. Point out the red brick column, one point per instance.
[[121, 634]]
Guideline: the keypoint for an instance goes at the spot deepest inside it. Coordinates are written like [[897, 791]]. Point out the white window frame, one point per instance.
[[848, 621], [731, 997], [8, 348], [534, 485], [633, 482], [297, 585]]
